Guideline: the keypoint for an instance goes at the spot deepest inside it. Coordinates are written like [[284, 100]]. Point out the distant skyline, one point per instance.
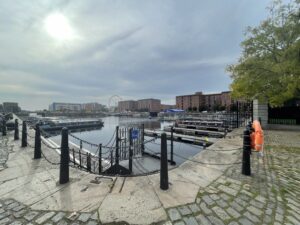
[[86, 51]]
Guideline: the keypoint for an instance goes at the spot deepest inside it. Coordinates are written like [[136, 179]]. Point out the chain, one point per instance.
[[83, 141], [47, 145], [49, 160]]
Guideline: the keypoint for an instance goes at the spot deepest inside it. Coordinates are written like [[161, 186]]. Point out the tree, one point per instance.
[[269, 68]]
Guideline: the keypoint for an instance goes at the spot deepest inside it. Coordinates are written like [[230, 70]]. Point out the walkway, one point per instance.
[[199, 193]]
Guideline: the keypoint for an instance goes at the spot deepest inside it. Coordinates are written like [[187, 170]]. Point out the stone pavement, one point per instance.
[[222, 194], [269, 196]]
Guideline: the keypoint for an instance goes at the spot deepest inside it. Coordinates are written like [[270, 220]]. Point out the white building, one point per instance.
[[57, 106]]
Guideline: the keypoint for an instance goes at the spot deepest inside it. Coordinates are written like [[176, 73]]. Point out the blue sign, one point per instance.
[[134, 134]]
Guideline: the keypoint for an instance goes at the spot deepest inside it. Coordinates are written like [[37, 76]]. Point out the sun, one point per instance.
[[58, 27]]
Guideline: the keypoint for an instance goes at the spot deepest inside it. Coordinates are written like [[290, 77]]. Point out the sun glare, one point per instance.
[[58, 27]]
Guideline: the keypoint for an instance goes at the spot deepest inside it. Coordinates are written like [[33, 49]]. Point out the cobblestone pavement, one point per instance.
[[269, 196]]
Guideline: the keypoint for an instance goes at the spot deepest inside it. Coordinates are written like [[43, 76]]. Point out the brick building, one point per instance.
[[129, 105], [142, 105], [200, 101], [149, 105]]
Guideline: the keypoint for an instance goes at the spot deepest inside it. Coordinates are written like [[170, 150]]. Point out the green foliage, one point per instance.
[[269, 68]]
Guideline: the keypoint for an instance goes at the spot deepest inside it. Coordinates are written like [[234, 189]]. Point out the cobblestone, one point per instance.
[[269, 196], [174, 214], [58, 217], [29, 216], [195, 208], [45, 217], [190, 220], [203, 220], [233, 213], [221, 213]]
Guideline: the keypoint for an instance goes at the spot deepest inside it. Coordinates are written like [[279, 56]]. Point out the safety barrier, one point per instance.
[[122, 145]]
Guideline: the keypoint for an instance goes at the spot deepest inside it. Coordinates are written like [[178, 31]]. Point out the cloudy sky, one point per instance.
[[87, 51]]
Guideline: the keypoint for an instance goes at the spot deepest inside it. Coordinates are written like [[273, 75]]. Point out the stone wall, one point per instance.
[[260, 110]]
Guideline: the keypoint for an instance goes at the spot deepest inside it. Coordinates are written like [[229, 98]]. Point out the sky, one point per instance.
[[88, 51]]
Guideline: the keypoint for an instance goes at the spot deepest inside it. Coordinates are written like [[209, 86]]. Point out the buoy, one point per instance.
[[257, 136]]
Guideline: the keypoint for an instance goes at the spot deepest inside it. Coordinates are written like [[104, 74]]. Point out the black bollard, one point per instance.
[[16, 135], [3, 127], [249, 125], [130, 150], [164, 179], [24, 134], [37, 143], [64, 157], [246, 166]]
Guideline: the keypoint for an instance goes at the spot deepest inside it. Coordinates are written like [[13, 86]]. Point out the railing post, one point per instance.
[[64, 157], [74, 159], [164, 179], [172, 146], [143, 138], [79, 153], [111, 158], [24, 134], [37, 143], [237, 114], [130, 150], [88, 162], [100, 158], [246, 166], [117, 145], [3, 127], [80, 145], [16, 135]]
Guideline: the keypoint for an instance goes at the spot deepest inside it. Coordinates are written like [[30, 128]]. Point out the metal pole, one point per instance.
[[16, 135], [117, 145], [172, 146], [111, 159], [37, 143], [143, 138], [64, 157], [130, 150], [24, 134], [80, 145], [251, 111], [237, 114], [164, 179], [246, 166], [79, 153], [74, 160], [3, 127], [100, 158], [88, 162]]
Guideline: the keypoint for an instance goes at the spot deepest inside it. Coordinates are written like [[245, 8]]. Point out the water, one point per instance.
[[104, 135]]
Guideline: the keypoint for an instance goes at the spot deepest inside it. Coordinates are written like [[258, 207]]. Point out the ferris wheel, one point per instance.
[[113, 102]]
